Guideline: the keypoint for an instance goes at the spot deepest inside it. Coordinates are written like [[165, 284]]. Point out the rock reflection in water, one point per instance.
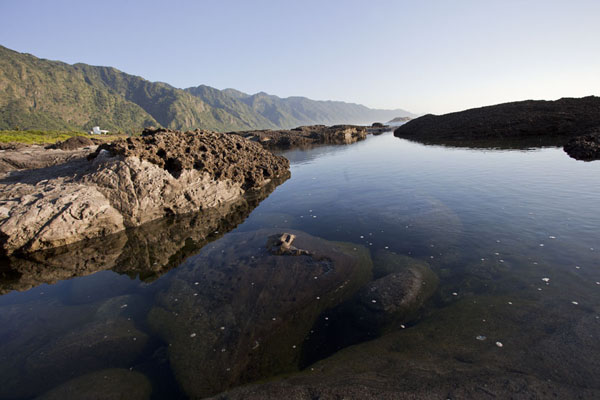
[[237, 312], [147, 251]]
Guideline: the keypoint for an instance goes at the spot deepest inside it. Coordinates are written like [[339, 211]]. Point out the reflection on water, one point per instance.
[[512, 236]]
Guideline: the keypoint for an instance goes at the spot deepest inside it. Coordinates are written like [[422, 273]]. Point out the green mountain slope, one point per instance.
[[42, 94]]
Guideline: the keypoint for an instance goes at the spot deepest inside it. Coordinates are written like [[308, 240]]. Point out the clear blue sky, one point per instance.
[[424, 56]]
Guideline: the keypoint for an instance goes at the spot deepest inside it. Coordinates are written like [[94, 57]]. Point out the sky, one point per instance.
[[421, 56]]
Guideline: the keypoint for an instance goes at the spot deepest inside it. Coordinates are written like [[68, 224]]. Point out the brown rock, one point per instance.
[[128, 183]]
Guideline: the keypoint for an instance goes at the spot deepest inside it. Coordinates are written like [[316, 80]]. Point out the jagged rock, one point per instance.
[[236, 312], [564, 118], [19, 156], [585, 148], [106, 384], [129, 183], [305, 136]]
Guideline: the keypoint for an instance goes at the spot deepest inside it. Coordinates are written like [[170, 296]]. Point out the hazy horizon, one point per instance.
[[423, 58]]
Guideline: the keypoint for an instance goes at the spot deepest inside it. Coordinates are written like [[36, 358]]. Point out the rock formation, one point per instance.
[[305, 136], [236, 313], [128, 183], [564, 119], [585, 148]]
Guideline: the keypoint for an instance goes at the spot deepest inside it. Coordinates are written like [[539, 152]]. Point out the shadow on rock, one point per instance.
[[147, 251]]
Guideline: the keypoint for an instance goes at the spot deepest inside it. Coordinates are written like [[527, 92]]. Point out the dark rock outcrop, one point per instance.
[[129, 183], [564, 119], [306, 136], [585, 148]]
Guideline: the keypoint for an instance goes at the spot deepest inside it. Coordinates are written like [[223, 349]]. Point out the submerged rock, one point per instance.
[[236, 312], [106, 384], [129, 183], [402, 286], [585, 148]]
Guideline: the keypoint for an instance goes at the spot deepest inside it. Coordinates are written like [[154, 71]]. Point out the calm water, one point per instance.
[[513, 235]]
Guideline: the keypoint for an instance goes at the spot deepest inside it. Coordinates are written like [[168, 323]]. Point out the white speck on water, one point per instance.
[[316, 277], [535, 263], [370, 244], [314, 216], [222, 328], [497, 241], [597, 283], [541, 244], [294, 346], [574, 302], [318, 298], [387, 247], [373, 301], [193, 335], [302, 216], [309, 210], [577, 267], [195, 294], [499, 344], [402, 326], [196, 283], [223, 350], [552, 237], [510, 303], [496, 254], [546, 279], [228, 369], [134, 339], [540, 289], [454, 294], [480, 337], [430, 256], [362, 237], [326, 318], [483, 259], [274, 318], [501, 261], [124, 305], [355, 249]]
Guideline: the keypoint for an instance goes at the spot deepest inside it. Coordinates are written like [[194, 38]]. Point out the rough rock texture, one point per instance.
[[147, 251], [306, 136], [564, 118], [129, 183], [223, 157], [106, 384], [236, 312], [585, 148]]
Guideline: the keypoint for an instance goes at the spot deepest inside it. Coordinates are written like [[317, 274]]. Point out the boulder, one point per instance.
[[238, 312], [128, 183], [585, 148]]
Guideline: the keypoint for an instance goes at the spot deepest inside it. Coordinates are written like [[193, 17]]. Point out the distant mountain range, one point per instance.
[[41, 94]]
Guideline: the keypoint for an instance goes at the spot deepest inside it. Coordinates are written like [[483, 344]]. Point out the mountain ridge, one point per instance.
[[36, 93]]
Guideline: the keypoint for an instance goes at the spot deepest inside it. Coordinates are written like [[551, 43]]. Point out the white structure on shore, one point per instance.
[[97, 131]]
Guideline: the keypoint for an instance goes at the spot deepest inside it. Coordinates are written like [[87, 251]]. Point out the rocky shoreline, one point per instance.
[[556, 121], [307, 136], [128, 183]]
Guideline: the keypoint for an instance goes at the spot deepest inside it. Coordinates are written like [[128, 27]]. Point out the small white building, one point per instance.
[[97, 131]]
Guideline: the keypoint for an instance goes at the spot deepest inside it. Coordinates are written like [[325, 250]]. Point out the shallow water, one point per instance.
[[492, 224]]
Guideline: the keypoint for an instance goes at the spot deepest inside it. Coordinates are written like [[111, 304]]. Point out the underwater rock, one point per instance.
[[128, 183], [384, 304], [236, 312], [106, 384]]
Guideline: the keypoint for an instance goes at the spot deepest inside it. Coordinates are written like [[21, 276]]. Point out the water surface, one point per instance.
[[513, 235]]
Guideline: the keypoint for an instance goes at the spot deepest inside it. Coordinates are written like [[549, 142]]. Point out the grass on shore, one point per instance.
[[47, 137]]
